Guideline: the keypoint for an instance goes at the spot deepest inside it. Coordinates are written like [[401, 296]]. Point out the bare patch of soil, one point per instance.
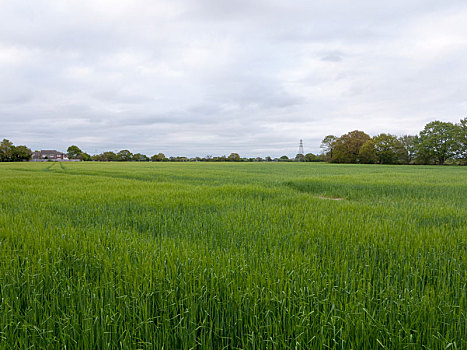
[[330, 198]]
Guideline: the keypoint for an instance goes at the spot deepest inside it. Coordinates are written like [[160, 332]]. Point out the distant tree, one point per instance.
[[84, 156], [160, 157], [321, 158], [328, 145], [310, 157], [138, 157], [283, 158], [107, 156], [408, 143], [423, 155], [388, 149], [347, 147], [437, 142], [124, 155], [299, 157], [178, 159], [367, 153], [268, 159], [234, 157], [74, 152], [220, 158], [21, 153], [6, 151]]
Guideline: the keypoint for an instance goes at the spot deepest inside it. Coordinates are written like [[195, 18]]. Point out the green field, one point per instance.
[[232, 255]]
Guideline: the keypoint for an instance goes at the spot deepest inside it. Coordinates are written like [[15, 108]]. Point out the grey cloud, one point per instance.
[[332, 58], [212, 77]]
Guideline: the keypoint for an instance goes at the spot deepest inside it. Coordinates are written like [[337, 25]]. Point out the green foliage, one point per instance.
[[367, 153], [300, 157], [106, 157], [328, 145], [232, 255], [388, 149], [160, 157], [183, 159], [347, 147], [138, 157], [409, 151], [109, 156], [74, 152], [11, 153], [234, 157], [85, 156], [124, 155], [461, 139], [21, 153], [6, 151], [310, 157], [437, 142]]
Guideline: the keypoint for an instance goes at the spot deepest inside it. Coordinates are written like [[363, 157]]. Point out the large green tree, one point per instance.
[[139, 157], [6, 151], [367, 153], [388, 149], [347, 147], [74, 152], [310, 157], [408, 142], [437, 142], [124, 155], [160, 157], [106, 156], [300, 157], [21, 154], [234, 157], [328, 145]]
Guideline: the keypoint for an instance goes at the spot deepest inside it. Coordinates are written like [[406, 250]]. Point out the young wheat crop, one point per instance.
[[232, 255]]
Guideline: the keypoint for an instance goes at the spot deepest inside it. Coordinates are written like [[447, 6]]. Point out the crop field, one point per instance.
[[232, 256]]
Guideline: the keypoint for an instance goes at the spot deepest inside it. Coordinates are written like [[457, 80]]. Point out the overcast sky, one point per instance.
[[198, 77]]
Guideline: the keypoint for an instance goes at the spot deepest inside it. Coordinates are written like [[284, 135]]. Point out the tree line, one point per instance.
[[11, 153], [438, 143], [125, 155]]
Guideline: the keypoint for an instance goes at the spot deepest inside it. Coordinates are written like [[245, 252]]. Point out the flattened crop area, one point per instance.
[[231, 255]]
